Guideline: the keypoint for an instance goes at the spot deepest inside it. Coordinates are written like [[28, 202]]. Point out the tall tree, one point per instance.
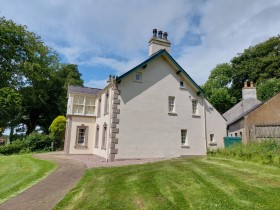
[[33, 70]]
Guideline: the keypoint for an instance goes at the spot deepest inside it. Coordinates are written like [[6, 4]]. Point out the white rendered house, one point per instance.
[[154, 110]]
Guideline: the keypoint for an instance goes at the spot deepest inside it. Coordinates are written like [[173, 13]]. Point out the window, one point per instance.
[[96, 137], [99, 107], [104, 137], [81, 136], [90, 107], [184, 137], [182, 85], [212, 138], [171, 103], [106, 108], [78, 104], [194, 107], [138, 77], [241, 134]]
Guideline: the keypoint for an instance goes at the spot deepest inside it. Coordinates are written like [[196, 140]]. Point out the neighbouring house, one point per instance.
[[155, 110], [252, 119]]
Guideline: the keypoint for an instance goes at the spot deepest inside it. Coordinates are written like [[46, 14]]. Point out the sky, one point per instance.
[[111, 37]]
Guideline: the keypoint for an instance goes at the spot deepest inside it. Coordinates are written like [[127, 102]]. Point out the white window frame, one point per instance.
[[182, 84], [78, 104], [195, 107], [106, 108], [90, 106], [97, 136], [184, 138], [85, 137], [171, 104], [138, 77], [99, 107], [104, 137], [212, 137]]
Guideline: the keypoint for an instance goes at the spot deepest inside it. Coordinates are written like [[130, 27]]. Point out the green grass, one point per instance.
[[265, 152], [19, 172], [197, 183]]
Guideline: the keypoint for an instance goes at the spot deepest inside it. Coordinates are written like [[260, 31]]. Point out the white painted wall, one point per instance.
[[146, 128], [78, 121], [216, 125]]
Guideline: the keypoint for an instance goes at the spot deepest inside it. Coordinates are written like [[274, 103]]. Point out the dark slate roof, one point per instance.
[[241, 109], [86, 90], [155, 55]]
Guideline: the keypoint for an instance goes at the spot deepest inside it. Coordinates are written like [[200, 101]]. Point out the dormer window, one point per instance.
[[138, 77]]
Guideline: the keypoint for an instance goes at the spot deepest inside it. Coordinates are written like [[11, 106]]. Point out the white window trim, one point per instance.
[[85, 98], [184, 84], [213, 142], [135, 76], [85, 144], [104, 136], [186, 144], [196, 114], [173, 111]]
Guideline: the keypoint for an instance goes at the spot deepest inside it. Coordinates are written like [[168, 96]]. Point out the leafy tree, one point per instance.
[[217, 87], [268, 88], [10, 108], [260, 64], [32, 69]]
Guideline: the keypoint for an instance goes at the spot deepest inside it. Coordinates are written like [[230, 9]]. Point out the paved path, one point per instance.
[[47, 193]]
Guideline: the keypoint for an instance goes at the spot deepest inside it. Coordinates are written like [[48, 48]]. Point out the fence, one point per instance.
[[263, 131]]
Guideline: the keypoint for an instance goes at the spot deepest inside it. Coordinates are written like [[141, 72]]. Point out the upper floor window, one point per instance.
[[106, 108], [83, 105], [99, 107], [182, 84], [138, 77], [171, 104], [194, 107], [78, 104], [90, 106]]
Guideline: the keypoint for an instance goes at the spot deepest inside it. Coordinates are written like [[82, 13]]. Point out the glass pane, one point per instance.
[[76, 99]]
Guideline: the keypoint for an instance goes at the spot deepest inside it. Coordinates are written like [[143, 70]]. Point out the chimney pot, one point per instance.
[[165, 35], [154, 32], [251, 84], [160, 34]]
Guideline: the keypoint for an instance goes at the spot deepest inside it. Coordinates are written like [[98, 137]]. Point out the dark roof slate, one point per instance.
[[86, 90], [241, 109]]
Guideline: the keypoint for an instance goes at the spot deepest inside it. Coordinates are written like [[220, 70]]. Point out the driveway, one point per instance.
[[47, 193]]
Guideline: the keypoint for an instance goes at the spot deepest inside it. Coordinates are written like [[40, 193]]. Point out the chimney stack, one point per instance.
[[158, 42], [249, 92]]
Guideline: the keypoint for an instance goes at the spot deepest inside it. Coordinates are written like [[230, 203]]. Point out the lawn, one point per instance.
[[197, 183], [18, 172]]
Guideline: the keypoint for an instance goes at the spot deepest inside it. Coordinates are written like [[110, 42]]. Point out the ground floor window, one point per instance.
[[212, 138], [81, 138], [104, 136], [184, 140], [97, 136]]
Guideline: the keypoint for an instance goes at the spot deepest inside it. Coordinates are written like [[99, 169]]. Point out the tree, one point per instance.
[[259, 63], [217, 87], [33, 70], [57, 128], [268, 88], [10, 109]]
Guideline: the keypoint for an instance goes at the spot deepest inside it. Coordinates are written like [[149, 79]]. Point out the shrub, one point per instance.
[[14, 147], [57, 129]]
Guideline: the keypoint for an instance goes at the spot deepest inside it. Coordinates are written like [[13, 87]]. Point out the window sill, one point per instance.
[[196, 116], [104, 148], [213, 143], [183, 88], [185, 146], [172, 113], [81, 147], [137, 81]]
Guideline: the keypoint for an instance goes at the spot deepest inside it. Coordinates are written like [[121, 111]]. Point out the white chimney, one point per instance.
[[249, 92], [158, 42]]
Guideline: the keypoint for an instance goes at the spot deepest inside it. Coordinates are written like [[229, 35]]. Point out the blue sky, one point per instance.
[[111, 37]]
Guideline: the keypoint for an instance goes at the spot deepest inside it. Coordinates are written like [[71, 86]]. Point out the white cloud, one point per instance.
[[115, 34], [96, 83]]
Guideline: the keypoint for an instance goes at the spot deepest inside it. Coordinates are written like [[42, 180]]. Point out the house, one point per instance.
[[155, 110], [252, 119]]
